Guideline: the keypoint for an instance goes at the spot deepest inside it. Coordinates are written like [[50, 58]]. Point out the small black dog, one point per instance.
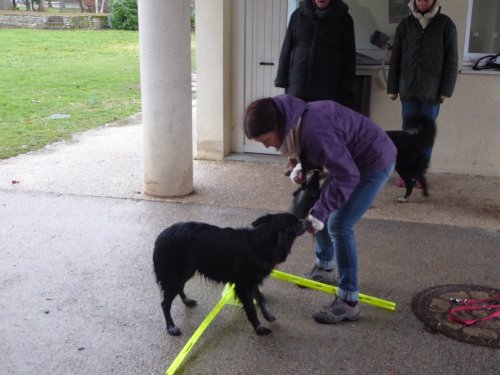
[[411, 163], [242, 256]]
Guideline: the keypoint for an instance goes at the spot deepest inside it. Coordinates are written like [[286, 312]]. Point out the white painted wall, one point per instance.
[[213, 52]]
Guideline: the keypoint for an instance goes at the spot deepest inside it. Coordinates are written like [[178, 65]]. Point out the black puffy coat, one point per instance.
[[318, 56]]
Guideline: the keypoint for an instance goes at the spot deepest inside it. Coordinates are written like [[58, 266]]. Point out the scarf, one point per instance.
[[424, 18], [291, 144]]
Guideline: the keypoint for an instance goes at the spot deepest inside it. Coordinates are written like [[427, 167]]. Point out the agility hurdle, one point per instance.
[[228, 297], [377, 302]]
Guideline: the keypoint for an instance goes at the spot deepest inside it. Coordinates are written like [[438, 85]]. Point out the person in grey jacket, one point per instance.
[[359, 157], [424, 61]]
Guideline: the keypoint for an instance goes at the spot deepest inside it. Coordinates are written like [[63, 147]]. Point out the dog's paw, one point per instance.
[[262, 331], [268, 315], [190, 302], [402, 200], [174, 331]]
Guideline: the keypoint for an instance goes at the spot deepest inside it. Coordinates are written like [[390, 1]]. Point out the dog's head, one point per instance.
[[280, 231]]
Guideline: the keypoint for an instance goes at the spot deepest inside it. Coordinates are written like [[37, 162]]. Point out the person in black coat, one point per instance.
[[318, 55]]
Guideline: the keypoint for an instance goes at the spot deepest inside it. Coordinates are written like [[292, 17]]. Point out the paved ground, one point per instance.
[[77, 293]]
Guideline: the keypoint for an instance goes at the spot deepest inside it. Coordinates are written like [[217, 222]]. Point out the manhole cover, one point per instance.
[[431, 306]]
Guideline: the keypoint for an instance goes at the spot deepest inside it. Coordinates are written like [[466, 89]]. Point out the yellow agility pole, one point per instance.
[[383, 304], [203, 326], [233, 300]]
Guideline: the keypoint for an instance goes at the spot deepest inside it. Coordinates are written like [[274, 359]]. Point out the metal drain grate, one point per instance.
[[431, 306]]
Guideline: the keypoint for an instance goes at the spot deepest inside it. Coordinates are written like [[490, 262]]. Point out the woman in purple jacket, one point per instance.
[[359, 157]]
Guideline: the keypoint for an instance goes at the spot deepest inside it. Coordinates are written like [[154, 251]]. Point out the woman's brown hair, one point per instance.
[[262, 116]]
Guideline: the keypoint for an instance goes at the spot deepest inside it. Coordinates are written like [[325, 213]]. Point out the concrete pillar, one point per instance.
[[165, 53], [213, 36]]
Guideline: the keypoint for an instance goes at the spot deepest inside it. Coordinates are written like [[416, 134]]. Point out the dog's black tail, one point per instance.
[[422, 128]]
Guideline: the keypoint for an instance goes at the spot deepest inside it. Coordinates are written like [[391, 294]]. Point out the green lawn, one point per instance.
[[91, 75]]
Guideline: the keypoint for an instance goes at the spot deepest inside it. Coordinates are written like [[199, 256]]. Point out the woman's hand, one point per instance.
[[300, 178], [314, 225], [297, 175]]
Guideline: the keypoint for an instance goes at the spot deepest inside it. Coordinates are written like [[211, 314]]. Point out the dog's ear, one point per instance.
[[261, 220]]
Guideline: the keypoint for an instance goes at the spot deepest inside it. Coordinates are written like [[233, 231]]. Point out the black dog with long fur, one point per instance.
[[243, 256], [412, 143]]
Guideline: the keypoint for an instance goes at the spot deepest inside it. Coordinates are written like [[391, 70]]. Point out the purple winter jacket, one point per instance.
[[345, 142]]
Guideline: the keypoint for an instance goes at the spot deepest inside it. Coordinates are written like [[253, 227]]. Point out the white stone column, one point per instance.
[[165, 53], [213, 36]]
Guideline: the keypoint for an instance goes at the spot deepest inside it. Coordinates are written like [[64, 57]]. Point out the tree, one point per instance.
[[124, 15]]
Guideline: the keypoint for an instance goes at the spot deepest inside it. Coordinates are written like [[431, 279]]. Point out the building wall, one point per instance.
[[213, 53]]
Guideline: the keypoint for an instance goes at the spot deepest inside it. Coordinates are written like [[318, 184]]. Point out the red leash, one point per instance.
[[487, 304]]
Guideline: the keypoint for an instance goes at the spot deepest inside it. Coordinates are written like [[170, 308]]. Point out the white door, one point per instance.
[[264, 34]]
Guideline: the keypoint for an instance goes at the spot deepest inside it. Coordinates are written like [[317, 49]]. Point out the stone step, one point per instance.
[[55, 20]]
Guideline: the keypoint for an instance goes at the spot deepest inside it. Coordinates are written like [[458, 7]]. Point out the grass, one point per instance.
[[93, 76]]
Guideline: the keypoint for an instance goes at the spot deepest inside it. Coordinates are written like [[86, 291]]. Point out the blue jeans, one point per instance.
[[337, 237], [413, 106]]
